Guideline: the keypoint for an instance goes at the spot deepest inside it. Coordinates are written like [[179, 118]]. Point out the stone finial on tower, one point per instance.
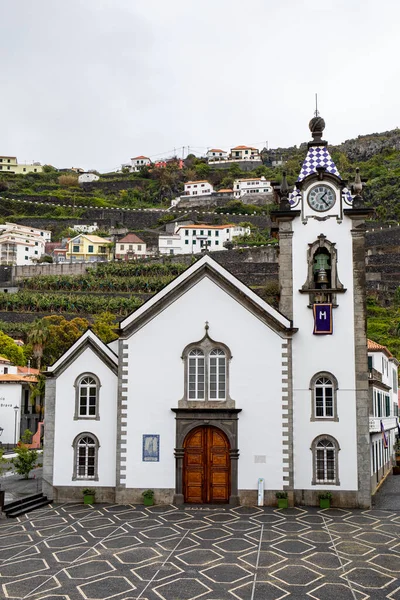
[[317, 126], [357, 187], [284, 193]]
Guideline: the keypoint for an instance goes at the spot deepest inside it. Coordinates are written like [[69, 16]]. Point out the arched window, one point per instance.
[[196, 374], [217, 374], [87, 388], [86, 448], [206, 372], [325, 451], [324, 397]]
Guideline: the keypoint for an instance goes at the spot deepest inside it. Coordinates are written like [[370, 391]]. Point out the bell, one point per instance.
[[322, 277], [321, 261]]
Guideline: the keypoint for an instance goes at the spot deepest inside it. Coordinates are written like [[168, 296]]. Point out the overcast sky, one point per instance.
[[93, 83]]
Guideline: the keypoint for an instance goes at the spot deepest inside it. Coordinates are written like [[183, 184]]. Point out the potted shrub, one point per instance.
[[325, 499], [88, 496], [148, 498], [282, 499]]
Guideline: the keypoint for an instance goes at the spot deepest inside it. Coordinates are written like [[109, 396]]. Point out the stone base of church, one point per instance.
[[340, 499], [112, 495], [135, 495], [69, 493]]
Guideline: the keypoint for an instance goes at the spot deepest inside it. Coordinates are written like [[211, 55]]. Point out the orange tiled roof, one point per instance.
[[28, 371], [18, 378], [216, 150], [375, 347], [135, 157], [225, 190], [4, 359], [199, 181], [244, 148], [130, 237]]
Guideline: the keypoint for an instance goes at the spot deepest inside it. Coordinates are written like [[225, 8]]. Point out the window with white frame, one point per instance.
[[325, 450], [196, 373], [86, 448], [217, 374], [87, 388], [323, 388]]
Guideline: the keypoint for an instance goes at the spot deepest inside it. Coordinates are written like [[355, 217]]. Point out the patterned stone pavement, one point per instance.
[[77, 552]]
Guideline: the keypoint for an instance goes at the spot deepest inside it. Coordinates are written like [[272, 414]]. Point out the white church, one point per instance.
[[209, 389]]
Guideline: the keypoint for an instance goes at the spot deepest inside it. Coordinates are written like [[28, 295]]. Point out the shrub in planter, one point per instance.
[[88, 496], [325, 499], [148, 498], [282, 499]]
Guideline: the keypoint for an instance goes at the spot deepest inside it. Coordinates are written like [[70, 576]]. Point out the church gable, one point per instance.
[[206, 267], [87, 340]]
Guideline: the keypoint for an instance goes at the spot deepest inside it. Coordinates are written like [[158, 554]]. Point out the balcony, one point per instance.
[[374, 374], [375, 423]]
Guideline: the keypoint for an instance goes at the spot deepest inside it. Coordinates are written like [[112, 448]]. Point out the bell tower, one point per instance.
[[322, 289]]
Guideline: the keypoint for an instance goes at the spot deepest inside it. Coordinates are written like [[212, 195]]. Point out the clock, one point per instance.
[[321, 198]]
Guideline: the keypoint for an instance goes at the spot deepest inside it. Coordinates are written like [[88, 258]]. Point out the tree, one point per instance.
[[104, 327], [38, 336], [63, 334], [25, 460], [10, 350]]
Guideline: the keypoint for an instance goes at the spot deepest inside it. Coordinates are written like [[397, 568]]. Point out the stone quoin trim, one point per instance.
[[287, 415], [122, 419]]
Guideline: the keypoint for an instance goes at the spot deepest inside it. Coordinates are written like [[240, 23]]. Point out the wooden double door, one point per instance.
[[206, 466]]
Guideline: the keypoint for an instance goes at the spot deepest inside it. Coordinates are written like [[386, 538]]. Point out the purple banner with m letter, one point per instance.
[[323, 322]]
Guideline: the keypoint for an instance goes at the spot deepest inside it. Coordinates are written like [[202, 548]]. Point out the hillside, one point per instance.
[[45, 195]]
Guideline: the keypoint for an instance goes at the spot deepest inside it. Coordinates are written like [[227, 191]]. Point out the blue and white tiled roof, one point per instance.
[[317, 156]]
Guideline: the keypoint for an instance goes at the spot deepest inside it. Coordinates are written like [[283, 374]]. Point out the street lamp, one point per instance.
[[16, 409]]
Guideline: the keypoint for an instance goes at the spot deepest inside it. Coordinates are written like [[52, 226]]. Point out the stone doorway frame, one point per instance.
[[225, 419]]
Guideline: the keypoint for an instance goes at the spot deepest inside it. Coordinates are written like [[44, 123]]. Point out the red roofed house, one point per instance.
[[130, 247], [216, 154], [245, 153], [138, 162]]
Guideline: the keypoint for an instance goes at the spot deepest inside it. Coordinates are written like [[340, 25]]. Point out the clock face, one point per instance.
[[321, 198]]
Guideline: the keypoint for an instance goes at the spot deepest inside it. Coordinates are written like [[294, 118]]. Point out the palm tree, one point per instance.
[[38, 335]]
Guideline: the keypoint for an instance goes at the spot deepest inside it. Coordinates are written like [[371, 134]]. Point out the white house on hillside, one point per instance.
[[23, 229], [190, 239], [88, 177], [245, 153], [130, 247], [198, 188], [216, 154], [384, 409], [251, 186], [21, 245], [138, 162]]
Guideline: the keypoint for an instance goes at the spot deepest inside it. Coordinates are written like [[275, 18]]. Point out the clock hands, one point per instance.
[[322, 198]]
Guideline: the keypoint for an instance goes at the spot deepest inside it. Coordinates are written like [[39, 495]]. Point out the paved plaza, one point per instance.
[[77, 552]]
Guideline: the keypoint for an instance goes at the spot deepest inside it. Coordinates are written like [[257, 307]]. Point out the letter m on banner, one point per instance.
[[323, 321]]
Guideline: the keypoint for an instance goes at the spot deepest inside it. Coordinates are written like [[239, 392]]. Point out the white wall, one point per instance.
[[333, 353], [156, 383], [66, 428], [199, 188], [10, 396]]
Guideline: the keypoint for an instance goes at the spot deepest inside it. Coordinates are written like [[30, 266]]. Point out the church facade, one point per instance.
[[209, 389]]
